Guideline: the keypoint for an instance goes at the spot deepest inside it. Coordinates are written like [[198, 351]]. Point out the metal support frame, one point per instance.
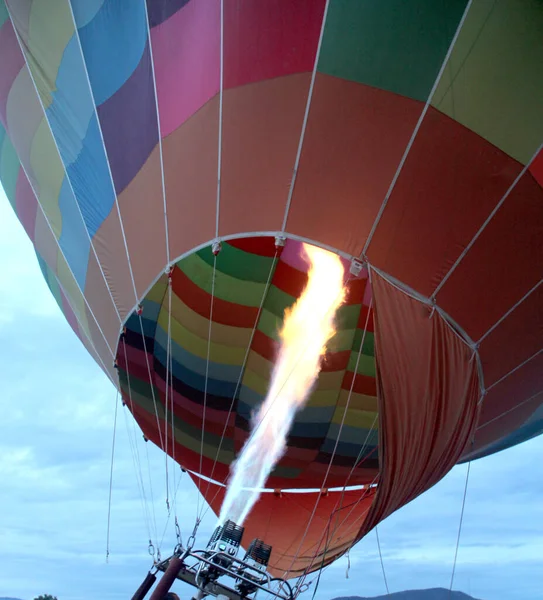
[[202, 569]]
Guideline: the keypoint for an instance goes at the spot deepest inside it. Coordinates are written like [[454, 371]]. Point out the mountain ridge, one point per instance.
[[428, 594]]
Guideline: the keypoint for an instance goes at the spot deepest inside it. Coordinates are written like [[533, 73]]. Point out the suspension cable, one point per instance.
[[168, 357], [137, 455], [337, 439], [206, 381], [111, 475], [381, 559], [460, 527]]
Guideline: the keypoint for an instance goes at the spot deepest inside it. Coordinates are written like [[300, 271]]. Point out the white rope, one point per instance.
[[460, 528], [240, 377], [149, 477], [511, 310], [510, 410], [139, 480], [522, 364], [46, 119], [136, 447], [323, 485], [219, 154], [381, 559], [415, 132], [485, 224], [168, 374], [306, 117], [206, 378], [166, 229], [337, 509], [111, 476]]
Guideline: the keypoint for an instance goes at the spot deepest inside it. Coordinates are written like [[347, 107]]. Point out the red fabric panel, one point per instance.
[[512, 391], [197, 299], [289, 280], [450, 182], [264, 40], [428, 393], [504, 263], [262, 246], [536, 168], [282, 519], [515, 339], [503, 423]]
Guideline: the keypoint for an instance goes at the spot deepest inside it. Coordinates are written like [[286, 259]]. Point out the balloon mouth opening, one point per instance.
[[206, 333]]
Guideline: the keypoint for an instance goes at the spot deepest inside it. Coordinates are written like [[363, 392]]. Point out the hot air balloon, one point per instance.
[[168, 159]]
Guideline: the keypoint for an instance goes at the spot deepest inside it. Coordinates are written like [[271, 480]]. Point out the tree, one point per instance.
[[46, 597]]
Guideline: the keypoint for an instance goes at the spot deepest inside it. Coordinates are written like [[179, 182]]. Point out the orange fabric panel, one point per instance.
[[428, 393], [99, 299], [142, 210], [190, 169], [111, 252], [282, 520], [262, 123], [355, 138]]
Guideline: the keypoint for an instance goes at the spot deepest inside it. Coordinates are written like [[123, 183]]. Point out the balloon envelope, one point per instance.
[[404, 135]]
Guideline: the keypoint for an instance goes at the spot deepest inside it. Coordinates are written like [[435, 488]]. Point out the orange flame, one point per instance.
[[307, 328]]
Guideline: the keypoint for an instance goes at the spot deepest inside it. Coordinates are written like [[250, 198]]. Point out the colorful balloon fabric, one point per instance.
[[168, 158]]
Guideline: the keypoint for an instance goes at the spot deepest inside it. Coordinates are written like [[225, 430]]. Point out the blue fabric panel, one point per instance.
[[85, 11], [91, 179], [115, 37], [74, 240]]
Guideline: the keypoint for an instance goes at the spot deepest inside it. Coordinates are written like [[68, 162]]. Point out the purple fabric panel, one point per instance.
[[161, 10], [12, 63], [129, 124]]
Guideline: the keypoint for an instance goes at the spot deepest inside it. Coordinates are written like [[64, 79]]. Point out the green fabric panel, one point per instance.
[[244, 293], [493, 83], [366, 364], [277, 301], [51, 281], [347, 316], [369, 342], [343, 340], [270, 324], [395, 45], [237, 263], [4, 15], [9, 168], [43, 267]]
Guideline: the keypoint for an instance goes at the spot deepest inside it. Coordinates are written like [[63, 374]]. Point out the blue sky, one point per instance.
[[56, 423]]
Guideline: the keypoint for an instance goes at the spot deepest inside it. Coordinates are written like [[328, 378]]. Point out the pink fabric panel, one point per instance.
[[12, 63], [186, 54]]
